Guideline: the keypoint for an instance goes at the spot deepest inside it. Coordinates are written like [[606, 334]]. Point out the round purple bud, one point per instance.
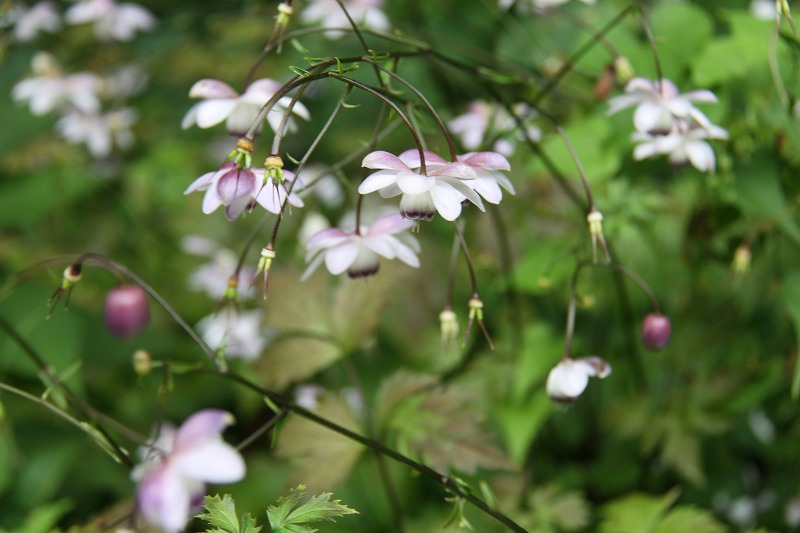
[[127, 311], [656, 331]]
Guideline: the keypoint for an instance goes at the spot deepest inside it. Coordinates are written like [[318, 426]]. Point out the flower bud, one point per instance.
[[656, 331], [142, 362], [127, 311]]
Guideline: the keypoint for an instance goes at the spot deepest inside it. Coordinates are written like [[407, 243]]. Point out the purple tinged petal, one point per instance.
[[384, 161], [264, 86], [164, 499], [640, 84], [210, 88], [455, 170], [327, 238], [271, 197], [593, 366], [487, 160], [411, 158], [703, 95], [389, 224], [201, 427], [201, 184], [378, 180]]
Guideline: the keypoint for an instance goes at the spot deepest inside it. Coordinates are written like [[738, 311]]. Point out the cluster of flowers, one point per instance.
[[668, 123], [77, 98], [487, 123]]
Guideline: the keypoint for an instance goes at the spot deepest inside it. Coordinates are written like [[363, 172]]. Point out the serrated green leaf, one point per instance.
[[292, 516], [221, 512], [688, 518], [636, 513]]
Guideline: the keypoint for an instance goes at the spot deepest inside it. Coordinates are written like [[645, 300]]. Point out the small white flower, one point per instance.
[[484, 122], [440, 190], [660, 104], [177, 466], [212, 277], [29, 21], [329, 14], [569, 378], [489, 168], [112, 21], [50, 89], [222, 103], [100, 133], [239, 333], [763, 9], [683, 143], [359, 253]]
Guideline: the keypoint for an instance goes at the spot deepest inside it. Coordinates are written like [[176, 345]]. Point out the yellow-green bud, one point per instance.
[[142, 362]]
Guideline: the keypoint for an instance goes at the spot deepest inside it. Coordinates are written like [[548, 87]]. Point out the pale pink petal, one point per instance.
[[201, 427], [455, 170], [487, 160], [212, 89], [263, 87], [384, 160], [621, 102], [164, 499], [703, 96], [327, 238], [389, 224], [411, 158]]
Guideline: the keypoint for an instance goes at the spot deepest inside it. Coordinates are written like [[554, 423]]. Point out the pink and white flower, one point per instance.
[[240, 333], [329, 14], [112, 21], [441, 189], [489, 168], [99, 132], [359, 253], [488, 122], [29, 21], [236, 188], [222, 103], [683, 143], [569, 378], [51, 89], [177, 466], [212, 277], [660, 104]]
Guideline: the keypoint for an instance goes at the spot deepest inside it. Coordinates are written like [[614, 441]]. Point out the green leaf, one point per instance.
[[291, 516], [670, 20], [688, 518], [43, 518], [221, 513], [636, 513]]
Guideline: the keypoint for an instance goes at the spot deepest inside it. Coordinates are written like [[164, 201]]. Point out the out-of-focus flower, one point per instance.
[[569, 378], [359, 253], [488, 122], [659, 104], [222, 103], [29, 21], [124, 82], [683, 143], [237, 333], [329, 14], [537, 5], [440, 189], [112, 21], [763, 9], [212, 277], [489, 167], [177, 466], [50, 89], [100, 133], [127, 311]]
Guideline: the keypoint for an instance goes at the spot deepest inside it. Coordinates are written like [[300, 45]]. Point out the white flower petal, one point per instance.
[[212, 112], [213, 462], [339, 258]]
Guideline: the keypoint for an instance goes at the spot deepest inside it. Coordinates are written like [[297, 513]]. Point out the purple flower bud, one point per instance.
[[656, 331], [127, 311]]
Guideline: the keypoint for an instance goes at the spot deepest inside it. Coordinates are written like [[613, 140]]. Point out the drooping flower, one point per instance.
[[569, 378], [51, 89], [659, 104], [359, 253], [212, 277], [29, 21], [237, 333], [112, 21], [441, 189], [683, 143], [329, 14], [99, 132], [127, 311], [488, 167], [486, 122], [177, 466], [222, 103]]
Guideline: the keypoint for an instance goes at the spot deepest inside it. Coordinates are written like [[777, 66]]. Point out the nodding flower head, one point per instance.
[[359, 253], [441, 188], [569, 378], [230, 186]]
